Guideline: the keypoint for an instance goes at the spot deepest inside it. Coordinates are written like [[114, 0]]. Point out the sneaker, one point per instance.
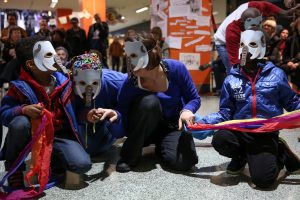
[[292, 161], [236, 166], [16, 180], [122, 167]]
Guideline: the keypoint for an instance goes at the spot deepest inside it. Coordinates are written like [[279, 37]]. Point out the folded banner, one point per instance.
[[289, 120], [41, 148]]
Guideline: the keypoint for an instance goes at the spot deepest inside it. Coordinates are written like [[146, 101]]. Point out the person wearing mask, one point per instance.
[[255, 89], [246, 15], [76, 37], [156, 99]]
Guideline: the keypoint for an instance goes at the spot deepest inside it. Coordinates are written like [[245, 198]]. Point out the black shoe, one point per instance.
[[122, 167], [236, 166], [292, 161], [16, 180]]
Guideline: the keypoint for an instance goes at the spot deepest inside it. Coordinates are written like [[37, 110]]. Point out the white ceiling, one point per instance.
[[124, 7]]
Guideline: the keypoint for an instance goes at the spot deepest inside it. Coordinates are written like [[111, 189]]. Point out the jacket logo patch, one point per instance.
[[238, 91]]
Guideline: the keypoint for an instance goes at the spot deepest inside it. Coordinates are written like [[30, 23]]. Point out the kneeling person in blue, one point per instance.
[[156, 99], [255, 89], [96, 92]]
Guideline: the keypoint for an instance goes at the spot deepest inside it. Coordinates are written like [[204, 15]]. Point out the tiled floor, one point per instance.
[[150, 180]]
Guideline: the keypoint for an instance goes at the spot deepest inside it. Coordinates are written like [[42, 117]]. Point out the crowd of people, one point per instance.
[[91, 106]]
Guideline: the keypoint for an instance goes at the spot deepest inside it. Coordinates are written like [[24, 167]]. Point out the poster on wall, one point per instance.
[[190, 60]]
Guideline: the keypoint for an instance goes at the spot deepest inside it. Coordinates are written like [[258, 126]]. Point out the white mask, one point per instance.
[[87, 76], [138, 54], [44, 56], [252, 41], [87, 83]]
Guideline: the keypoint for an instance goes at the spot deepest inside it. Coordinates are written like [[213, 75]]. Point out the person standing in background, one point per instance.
[[76, 37], [97, 37], [12, 21], [157, 34], [115, 53], [44, 30]]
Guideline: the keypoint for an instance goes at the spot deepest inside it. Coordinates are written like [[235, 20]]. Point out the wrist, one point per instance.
[[185, 110]]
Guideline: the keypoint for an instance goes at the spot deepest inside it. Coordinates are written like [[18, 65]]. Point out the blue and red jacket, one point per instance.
[[26, 91], [264, 96]]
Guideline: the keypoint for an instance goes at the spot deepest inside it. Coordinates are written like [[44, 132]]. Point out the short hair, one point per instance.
[[63, 49], [157, 30], [24, 49], [12, 14], [13, 28]]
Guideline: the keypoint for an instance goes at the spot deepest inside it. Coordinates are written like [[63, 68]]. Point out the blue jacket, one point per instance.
[[107, 98], [181, 94], [22, 93], [242, 98]]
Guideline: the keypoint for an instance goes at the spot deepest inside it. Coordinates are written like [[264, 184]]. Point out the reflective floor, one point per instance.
[[150, 180]]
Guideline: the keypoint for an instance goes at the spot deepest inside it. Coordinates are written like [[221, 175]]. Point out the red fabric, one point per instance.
[[51, 102], [262, 126], [41, 152], [41, 157], [266, 8], [233, 35], [253, 82]]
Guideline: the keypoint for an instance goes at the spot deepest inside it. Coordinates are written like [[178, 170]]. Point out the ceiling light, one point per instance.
[[53, 3], [141, 9], [122, 17], [5, 1]]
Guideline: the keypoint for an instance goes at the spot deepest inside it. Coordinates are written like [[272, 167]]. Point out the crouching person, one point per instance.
[[40, 86], [96, 92]]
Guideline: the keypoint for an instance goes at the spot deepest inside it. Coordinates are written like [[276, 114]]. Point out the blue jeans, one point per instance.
[[97, 142], [224, 57], [68, 153]]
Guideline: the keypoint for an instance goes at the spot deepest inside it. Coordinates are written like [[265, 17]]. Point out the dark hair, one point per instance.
[[24, 49], [157, 30], [154, 51], [283, 30], [12, 14], [13, 28], [60, 32]]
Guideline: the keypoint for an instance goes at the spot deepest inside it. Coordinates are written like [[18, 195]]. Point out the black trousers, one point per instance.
[[260, 151], [115, 63], [146, 126]]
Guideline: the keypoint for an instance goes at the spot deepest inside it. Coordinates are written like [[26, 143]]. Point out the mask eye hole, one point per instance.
[[48, 55], [242, 44], [253, 45], [133, 55], [95, 83], [82, 83]]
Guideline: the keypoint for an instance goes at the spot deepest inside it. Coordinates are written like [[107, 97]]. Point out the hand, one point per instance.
[[33, 111], [186, 117], [93, 116], [12, 53], [291, 65], [100, 114]]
